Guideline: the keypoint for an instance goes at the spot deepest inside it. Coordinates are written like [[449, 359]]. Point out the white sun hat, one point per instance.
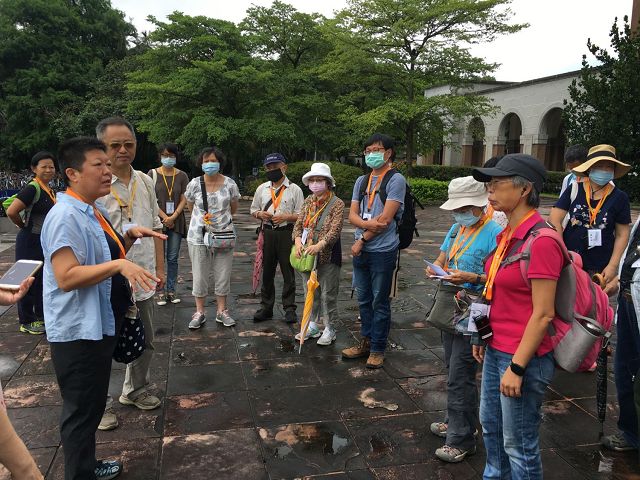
[[465, 191], [318, 170]]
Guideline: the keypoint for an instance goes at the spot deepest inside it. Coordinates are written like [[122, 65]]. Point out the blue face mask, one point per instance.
[[211, 168], [168, 162], [600, 177], [374, 159], [465, 219]]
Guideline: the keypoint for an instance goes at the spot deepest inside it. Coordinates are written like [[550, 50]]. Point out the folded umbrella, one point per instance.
[[312, 285], [601, 384], [257, 263]]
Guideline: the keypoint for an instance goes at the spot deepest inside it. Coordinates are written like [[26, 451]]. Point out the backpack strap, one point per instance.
[[203, 189], [545, 231], [382, 191], [38, 189], [513, 254]]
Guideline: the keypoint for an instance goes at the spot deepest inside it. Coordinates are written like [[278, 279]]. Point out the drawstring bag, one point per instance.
[[131, 341]]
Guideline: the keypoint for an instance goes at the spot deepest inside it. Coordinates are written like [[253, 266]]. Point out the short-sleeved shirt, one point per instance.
[[219, 203], [472, 260], [39, 209], [512, 304], [291, 202], [85, 313], [616, 209], [388, 240], [178, 185]]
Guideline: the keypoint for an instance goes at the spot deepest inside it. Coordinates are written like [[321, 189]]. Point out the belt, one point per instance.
[[268, 226]]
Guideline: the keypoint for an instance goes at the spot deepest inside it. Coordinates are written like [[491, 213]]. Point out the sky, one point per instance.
[[554, 42]]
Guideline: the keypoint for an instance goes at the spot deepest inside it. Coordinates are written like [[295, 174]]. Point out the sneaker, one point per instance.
[[375, 360], [162, 300], [312, 331], [225, 319], [108, 469], [109, 421], [450, 454], [197, 320], [328, 336], [617, 442], [290, 316], [171, 297], [439, 429], [262, 315], [34, 328], [144, 401], [357, 351]]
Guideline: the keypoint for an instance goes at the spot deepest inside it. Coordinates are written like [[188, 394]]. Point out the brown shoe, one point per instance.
[[376, 359], [357, 351]]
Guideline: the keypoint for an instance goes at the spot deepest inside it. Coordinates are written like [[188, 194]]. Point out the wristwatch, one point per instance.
[[364, 240], [517, 369], [478, 279]]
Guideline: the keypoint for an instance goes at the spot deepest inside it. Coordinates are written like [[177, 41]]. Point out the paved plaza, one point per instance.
[[241, 403]]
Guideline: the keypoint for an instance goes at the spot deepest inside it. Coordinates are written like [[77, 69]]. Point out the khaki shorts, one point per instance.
[[204, 262]]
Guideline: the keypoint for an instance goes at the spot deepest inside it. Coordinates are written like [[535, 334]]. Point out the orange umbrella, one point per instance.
[[312, 285]]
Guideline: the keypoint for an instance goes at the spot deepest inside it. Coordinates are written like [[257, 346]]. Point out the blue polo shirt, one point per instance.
[[85, 313]]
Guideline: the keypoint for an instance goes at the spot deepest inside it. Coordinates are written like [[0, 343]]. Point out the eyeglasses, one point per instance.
[[119, 145], [373, 150], [495, 182]]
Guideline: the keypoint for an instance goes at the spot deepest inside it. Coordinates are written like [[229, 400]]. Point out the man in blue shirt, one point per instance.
[[375, 250]]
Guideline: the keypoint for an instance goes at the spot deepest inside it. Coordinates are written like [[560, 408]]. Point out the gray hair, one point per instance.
[[107, 122], [533, 198]]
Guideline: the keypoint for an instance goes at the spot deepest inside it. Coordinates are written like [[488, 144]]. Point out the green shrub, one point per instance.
[[429, 191]]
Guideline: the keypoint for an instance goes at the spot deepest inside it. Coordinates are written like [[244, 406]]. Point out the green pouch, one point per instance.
[[302, 264]]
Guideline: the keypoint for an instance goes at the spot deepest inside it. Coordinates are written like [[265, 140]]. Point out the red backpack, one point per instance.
[[585, 317]]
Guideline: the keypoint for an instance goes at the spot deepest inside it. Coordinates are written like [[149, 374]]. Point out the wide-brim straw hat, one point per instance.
[[465, 191], [318, 170], [602, 153]]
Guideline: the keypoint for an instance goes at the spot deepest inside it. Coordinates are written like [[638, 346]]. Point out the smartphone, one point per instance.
[[18, 273]]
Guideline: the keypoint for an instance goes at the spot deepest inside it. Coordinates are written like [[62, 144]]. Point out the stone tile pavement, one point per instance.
[[241, 403]]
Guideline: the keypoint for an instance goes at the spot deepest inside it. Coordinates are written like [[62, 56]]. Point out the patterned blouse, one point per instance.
[[329, 231]]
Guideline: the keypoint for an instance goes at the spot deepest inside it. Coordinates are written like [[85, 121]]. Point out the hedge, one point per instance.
[[429, 191]]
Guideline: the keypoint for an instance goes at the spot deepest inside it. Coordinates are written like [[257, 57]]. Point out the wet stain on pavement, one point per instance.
[[370, 402]]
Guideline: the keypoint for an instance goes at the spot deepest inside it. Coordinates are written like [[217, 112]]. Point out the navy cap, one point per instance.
[[274, 158], [514, 164]]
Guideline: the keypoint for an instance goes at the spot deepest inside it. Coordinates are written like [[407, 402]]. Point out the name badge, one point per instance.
[[170, 208], [126, 227], [305, 235], [366, 216], [594, 236], [477, 310]]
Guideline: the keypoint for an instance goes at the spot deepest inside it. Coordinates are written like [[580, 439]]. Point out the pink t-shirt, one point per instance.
[[512, 306]]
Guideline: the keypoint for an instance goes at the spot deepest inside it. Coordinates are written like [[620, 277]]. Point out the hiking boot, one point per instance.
[[109, 421], [171, 297], [108, 469], [162, 300], [197, 320], [290, 316], [450, 454], [358, 351], [375, 360], [262, 315], [225, 319], [144, 401], [34, 328], [617, 442], [312, 331], [439, 429], [328, 336]]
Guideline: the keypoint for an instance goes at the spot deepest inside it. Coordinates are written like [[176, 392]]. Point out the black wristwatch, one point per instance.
[[364, 240], [517, 369]]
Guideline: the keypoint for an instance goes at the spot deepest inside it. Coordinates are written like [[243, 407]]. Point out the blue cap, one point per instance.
[[274, 158]]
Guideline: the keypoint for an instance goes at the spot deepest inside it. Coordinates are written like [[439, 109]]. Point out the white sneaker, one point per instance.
[[328, 336], [225, 319], [162, 300], [197, 320], [312, 331]]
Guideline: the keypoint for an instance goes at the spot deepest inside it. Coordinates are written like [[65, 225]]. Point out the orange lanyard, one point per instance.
[[501, 251], [46, 189], [372, 195], [173, 181], [275, 201], [103, 222], [593, 212], [490, 211], [131, 198], [464, 235], [310, 220]]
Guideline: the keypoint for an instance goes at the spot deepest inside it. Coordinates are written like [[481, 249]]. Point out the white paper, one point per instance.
[[170, 208], [594, 237], [126, 227], [476, 310], [439, 272], [305, 235]]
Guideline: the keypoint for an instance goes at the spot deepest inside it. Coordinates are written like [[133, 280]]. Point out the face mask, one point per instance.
[[374, 159], [168, 162], [601, 177], [211, 168], [465, 219], [275, 175], [318, 187]]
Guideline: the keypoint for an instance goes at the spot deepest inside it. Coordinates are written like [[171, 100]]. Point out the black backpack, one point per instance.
[[406, 226]]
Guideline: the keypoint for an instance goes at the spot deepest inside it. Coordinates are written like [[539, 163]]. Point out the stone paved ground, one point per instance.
[[240, 403]]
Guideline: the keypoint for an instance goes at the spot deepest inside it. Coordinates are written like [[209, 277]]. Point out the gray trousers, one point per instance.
[[462, 391], [136, 378], [325, 301]]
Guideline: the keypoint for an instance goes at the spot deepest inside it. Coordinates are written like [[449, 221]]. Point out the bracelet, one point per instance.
[[478, 279]]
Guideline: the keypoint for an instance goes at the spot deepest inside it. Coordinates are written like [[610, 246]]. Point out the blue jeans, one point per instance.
[[510, 425], [172, 254], [626, 365], [372, 278]]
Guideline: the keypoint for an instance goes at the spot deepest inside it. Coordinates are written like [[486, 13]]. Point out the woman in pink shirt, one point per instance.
[[518, 357]]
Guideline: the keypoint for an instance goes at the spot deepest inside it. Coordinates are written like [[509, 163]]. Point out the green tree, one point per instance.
[[388, 52], [51, 53], [604, 105]]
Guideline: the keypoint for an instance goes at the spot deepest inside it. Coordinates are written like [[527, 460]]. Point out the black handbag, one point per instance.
[[131, 341]]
